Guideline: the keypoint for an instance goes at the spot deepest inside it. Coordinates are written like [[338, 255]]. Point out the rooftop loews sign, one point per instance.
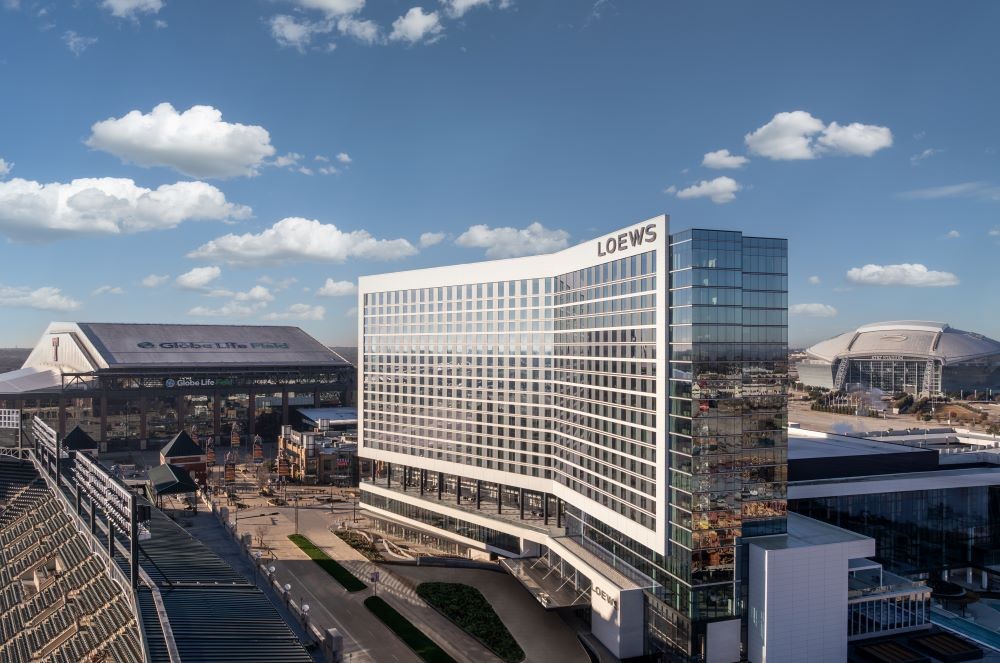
[[626, 240]]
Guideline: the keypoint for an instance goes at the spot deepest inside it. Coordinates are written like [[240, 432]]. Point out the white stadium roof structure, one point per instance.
[[69, 350], [904, 355], [907, 338]]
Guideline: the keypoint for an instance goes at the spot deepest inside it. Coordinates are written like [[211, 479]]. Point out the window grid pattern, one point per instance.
[[547, 377], [461, 374], [605, 380]]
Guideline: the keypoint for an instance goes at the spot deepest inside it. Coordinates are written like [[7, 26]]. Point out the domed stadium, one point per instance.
[[917, 357]]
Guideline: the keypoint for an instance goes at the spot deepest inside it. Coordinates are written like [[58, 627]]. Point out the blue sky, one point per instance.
[[235, 156]]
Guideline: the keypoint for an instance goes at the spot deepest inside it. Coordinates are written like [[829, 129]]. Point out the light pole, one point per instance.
[[288, 593], [305, 617], [256, 561]]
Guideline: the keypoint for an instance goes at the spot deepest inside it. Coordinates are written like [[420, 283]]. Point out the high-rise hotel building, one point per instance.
[[609, 419]]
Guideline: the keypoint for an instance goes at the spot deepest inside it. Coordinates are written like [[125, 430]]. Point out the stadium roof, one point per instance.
[[907, 338], [88, 346]]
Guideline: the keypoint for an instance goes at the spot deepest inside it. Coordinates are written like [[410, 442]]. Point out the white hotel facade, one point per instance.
[[609, 421]]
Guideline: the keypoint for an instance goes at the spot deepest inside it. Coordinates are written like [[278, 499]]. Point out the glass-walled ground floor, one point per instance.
[[920, 531], [149, 418], [676, 614]]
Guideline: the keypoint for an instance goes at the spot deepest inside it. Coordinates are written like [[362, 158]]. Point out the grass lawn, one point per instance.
[[469, 609], [414, 638], [331, 566]]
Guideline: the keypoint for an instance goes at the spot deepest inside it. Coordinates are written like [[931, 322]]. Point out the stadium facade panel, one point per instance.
[[918, 357]]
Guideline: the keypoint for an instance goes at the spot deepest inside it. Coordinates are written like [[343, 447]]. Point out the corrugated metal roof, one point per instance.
[[30, 379], [148, 345], [171, 479]]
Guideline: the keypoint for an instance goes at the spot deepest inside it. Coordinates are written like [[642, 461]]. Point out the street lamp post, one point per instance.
[[256, 561]]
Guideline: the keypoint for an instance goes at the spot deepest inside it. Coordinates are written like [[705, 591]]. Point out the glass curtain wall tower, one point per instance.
[[727, 416]]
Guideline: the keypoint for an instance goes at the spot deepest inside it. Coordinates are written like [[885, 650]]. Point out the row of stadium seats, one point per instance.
[[76, 610]]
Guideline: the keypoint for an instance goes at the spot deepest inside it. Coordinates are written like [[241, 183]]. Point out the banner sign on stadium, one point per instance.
[[210, 345], [171, 383]]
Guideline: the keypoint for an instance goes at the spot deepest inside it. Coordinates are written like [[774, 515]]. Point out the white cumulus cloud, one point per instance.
[[292, 32], [5, 168], [298, 312], [196, 142], [721, 190], [295, 238], [813, 310], [155, 280], [332, 7], [228, 310], [430, 239], [721, 159], [415, 26], [277, 285], [854, 139], [344, 158], [365, 31], [35, 211], [131, 8], [108, 290], [509, 242], [258, 293], [457, 8], [76, 43], [905, 274], [46, 298], [814, 280], [337, 288], [798, 135], [953, 234], [198, 278]]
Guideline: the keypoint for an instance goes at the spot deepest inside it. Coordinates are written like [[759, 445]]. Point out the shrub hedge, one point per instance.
[[414, 638], [331, 566], [469, 609]]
